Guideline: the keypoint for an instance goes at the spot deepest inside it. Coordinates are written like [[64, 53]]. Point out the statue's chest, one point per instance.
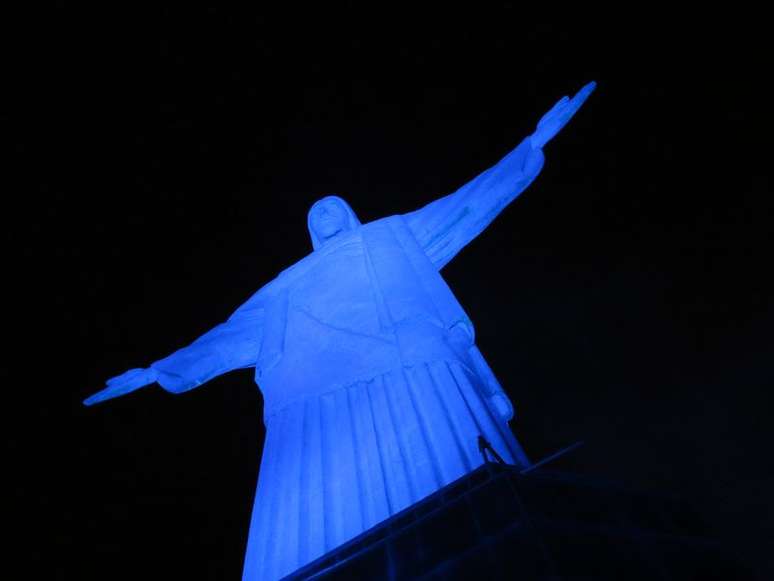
[[371, 282], [339, 291]]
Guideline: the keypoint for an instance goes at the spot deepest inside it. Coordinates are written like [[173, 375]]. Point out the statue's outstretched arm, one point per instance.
[[446, 225], [228, 346]]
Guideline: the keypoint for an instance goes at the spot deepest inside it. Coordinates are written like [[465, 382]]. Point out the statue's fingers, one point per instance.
[[133, 383], [565, 107], [126, 376], [556, 122], [581, 96], [553, 111], [587, 89], [105, 394], [98, 397], [113, 391]]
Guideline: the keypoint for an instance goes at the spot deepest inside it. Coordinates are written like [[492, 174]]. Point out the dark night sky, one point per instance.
[[165, 164]]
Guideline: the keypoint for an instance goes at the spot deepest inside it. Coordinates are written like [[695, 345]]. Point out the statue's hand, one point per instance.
[[122, 384], [553, 121], [502, 406]]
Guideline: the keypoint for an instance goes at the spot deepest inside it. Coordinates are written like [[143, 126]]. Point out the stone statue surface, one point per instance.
[[374, 391]]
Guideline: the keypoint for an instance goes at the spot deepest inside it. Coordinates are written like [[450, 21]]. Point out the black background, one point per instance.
[[164, 163]]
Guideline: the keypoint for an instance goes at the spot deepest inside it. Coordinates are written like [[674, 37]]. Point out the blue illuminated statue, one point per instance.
[[374, 390]]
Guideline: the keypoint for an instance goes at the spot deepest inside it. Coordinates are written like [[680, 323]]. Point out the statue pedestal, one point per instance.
[[496, 523]]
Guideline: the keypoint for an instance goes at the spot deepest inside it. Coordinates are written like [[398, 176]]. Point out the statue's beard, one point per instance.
[[336, 232], [329, 235]]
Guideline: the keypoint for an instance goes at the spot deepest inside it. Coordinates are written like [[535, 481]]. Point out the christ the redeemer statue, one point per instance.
[[375, 393]]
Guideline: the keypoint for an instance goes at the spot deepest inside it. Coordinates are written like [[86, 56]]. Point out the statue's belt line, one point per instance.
[[268, 414]]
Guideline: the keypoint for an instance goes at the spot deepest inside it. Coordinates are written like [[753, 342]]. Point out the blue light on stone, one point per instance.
[[374, 390]]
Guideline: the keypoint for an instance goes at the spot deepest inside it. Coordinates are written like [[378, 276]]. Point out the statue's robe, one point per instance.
[[374, 390]]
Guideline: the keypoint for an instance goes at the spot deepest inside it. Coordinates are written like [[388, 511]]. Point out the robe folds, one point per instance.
[[374, 390], [368, 408]]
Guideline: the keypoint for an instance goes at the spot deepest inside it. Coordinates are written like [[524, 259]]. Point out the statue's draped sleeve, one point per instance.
[[445, 226], [231, 345]]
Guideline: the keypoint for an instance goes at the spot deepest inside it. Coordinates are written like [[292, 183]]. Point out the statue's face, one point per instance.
[[328, 219]]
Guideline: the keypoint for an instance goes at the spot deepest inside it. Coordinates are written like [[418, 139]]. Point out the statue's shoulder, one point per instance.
[[395, 223], [391, 229], [273, 289]]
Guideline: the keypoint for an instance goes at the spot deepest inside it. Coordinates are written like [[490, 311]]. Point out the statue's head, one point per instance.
[[328, 218]]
